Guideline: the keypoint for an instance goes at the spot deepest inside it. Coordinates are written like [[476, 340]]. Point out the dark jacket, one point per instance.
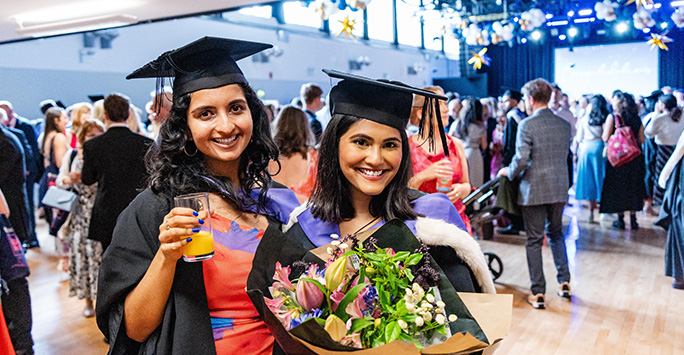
[[13, 181], [115, 160]]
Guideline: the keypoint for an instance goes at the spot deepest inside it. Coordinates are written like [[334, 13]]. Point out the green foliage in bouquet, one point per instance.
[[364, 297]]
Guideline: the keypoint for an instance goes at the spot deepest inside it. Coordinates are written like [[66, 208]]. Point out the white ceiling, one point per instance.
[[68, 10]]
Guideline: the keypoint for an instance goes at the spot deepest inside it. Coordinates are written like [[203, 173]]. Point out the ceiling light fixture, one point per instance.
[[79, 25]]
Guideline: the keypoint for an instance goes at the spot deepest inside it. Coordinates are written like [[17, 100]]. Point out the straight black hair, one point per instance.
[[174, 172], [331, 199]]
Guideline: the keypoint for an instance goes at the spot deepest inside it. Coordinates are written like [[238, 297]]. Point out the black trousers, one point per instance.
[[16, 306]]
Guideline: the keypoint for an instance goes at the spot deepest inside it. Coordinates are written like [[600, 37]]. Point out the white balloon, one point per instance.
[[678, 17]]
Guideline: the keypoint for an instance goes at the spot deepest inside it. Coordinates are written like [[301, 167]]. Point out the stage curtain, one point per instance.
[[671, 71], [512, 67]]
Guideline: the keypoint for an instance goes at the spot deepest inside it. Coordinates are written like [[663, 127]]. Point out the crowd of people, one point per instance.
[[369, 152]]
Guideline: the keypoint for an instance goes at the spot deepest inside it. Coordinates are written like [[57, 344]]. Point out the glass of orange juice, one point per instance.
[[202, 245]]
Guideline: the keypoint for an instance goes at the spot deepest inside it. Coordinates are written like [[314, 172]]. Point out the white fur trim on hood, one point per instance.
[[437, 232]]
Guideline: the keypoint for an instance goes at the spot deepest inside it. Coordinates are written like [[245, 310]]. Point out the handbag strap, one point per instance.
[[618, 121]]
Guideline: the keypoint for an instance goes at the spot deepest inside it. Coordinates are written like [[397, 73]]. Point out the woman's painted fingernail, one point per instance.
[[200, 220], [194, 213], [189, 240], [195, 230]]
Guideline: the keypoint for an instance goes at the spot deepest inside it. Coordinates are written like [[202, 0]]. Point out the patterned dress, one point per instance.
[[85, 254], [422, 160], [235, 322]]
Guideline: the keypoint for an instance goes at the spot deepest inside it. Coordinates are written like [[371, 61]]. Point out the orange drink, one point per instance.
[[202, 245], [200, 248]]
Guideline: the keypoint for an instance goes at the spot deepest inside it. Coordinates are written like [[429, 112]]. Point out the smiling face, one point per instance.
[[220, 125], [62, 122], [370, 156]]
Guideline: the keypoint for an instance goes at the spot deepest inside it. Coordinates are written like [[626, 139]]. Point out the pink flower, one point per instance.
[[336, 297], [282, 277], [283, 314], [309, 296], [356, 307], [275, 304], [353, 340], [390, 251]]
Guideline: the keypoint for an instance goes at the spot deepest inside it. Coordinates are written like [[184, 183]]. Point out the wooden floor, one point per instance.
[[622, 303]]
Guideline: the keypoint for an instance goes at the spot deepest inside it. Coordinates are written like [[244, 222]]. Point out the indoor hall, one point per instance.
[[600, 60]]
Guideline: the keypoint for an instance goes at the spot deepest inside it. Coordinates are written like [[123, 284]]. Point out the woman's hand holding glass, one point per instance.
[[174, 233], [439, 170]]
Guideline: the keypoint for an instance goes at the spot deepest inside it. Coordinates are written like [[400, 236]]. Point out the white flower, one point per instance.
[[426, 305], [344, 246], [419, 321], [430, 298], [441, 304], [329, 250], [402, 324], [452, 318], [409, 295], [439, 310], [335, 242], [440, 318], [334, 236], [427, 316], [410, 307]]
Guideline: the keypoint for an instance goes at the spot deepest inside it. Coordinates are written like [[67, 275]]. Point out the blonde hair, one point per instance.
[[76, 115], [98, 111]]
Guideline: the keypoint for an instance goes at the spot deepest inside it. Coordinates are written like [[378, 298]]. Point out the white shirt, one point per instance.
[[672, 162], [664, 129]]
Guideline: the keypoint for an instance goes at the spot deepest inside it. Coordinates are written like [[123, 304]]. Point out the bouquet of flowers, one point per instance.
[[365, 297], [382, 295]]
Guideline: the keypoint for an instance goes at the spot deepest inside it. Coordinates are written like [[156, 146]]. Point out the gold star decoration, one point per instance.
[[480, 58], [659, 41], [347, 28], [639, 3]]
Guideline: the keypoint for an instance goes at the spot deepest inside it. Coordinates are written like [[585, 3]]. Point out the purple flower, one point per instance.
[[315, 313]]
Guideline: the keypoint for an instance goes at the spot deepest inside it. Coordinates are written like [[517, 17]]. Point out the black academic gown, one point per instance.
[[672, 218], [186, 326]]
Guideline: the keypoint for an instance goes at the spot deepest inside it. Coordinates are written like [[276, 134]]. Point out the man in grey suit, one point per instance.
[[541, 152]]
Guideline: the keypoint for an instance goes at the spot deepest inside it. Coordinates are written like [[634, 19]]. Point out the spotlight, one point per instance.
[[572, 32], [646, 30], [571, 13], [523, 40], [562, 37], [549, 16], [536, 35], [622, 27], [663, 25], [585, 12]]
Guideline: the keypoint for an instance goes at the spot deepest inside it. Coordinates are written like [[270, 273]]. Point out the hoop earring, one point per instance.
[[188, 154]]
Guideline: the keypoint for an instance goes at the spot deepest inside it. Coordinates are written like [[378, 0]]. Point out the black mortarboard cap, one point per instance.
[[206, 63], [654, 95], [382, 101], [94, 98], [513, 94]]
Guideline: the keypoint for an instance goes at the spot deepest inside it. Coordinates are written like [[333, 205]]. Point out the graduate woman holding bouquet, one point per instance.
[[363, 175], [216, 141]]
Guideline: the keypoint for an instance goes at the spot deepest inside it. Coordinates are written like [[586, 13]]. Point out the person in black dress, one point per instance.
[[623, 187]]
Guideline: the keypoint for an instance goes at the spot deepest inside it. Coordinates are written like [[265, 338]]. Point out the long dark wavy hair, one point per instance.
[[627, 108], [473, 115], [599, 110], [331, 197], [173, 172]]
